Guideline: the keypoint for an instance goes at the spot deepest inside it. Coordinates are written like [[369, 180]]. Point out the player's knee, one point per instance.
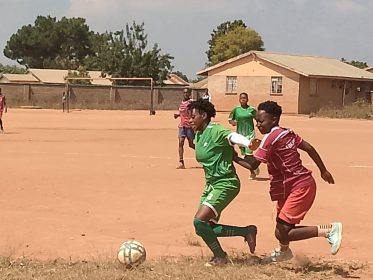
[[200, 226], [282, 231], [278, 234]]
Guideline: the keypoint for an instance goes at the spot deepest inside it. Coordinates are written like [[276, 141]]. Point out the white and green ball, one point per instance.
[[131, 253]]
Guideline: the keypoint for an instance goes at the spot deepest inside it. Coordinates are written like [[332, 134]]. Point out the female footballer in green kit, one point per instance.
[[243, 118], [215, 152]]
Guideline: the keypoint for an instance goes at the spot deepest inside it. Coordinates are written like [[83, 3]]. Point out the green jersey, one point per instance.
[[215, 153], [244, 118]]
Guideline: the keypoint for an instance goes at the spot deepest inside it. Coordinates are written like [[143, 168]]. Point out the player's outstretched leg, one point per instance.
[[333, 233], [248, 233]]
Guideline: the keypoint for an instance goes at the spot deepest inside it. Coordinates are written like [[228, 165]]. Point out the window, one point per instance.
[[313, 87], [232, 84], [276, 83]]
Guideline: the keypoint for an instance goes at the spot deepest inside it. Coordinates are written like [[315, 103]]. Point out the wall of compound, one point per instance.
[[93, 97]]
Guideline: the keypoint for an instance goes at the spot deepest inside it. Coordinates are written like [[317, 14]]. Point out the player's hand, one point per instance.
[[327, 177], [235, 154], [176, 116], [254, 144]]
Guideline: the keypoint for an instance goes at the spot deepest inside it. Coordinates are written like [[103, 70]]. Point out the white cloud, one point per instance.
[[91, 8], [346, 6]]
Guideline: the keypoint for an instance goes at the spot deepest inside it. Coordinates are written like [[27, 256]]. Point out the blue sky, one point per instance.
[[333, 28]]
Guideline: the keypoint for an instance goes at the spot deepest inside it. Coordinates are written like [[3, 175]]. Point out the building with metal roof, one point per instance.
[[299, 83]]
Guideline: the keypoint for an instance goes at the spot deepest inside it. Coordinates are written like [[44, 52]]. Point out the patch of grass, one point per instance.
[[357, 110], [183, 268], [192, 240]]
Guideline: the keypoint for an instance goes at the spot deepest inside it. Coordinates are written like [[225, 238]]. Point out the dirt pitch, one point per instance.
[[77, 185]]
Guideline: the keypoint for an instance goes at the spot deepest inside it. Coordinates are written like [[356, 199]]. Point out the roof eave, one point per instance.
[[205, 71], [342, 78]]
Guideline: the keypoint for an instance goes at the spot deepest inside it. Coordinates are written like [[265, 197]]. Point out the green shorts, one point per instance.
[[218, 195], [246, 151]]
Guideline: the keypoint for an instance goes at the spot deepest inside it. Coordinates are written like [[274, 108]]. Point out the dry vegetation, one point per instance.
[[357, 110], [183, 268]]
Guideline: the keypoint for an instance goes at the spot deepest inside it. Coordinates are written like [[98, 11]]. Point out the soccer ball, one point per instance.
[[131, 253]]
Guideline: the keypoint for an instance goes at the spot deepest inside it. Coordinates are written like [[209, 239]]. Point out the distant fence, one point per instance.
[[94, 97]]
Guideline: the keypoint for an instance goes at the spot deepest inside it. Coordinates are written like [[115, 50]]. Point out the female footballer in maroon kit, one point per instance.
[[291, 184]]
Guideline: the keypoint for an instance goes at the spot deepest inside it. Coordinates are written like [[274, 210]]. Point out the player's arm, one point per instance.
[[176, 116], [231, 118], [250, 163], [5, 106], [311, 151], [232, 122]]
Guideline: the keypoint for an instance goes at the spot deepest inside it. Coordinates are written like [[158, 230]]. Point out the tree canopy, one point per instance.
[[356, 63], [50, 43], [124, 53], [70, 44], [230, 39], [12, 69]]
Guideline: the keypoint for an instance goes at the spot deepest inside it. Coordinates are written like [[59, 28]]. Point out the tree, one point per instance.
[[12, 69], [50, 43], [80, 73], [356, 63], [124, 54], [231, 39]]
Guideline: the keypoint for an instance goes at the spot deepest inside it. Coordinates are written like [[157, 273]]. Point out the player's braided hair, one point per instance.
[[271, 107], [203, 105]]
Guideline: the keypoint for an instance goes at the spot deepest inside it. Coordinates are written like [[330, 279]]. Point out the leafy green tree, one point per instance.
[[50, 43], [124, 54], [12, 69], [356, 63], [81, 72], [231, 39]]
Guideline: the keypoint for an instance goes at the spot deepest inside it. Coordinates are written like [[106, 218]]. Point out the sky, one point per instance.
[[332, 28]]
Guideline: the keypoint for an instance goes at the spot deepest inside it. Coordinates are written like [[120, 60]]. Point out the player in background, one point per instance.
[[64, 100], [292, 185], [242, 117], [206, 95], [214, 152], [3, 107], [185, 129]]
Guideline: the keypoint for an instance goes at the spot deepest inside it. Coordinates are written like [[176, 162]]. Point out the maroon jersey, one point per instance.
[[279, 150], [2, 102], [184, 115]]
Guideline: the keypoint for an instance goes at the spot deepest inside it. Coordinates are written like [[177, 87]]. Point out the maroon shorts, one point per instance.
[[295, 207]]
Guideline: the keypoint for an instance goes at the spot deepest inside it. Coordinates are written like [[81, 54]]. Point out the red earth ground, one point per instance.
[[79, 184]]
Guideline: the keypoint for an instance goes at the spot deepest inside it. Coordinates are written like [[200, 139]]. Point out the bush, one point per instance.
[[357, 110]]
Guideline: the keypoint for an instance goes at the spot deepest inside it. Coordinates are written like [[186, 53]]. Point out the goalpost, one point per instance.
[[151, 105], [67, 93]]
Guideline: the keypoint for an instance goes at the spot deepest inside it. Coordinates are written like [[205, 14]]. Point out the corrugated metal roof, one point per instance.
[[203, 84], [369, 69], [18, 78], [57, 76], [174, 79], [312, 66]]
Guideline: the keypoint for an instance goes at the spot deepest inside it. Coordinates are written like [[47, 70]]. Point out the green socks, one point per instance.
[[205, 231], [226, 231]]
